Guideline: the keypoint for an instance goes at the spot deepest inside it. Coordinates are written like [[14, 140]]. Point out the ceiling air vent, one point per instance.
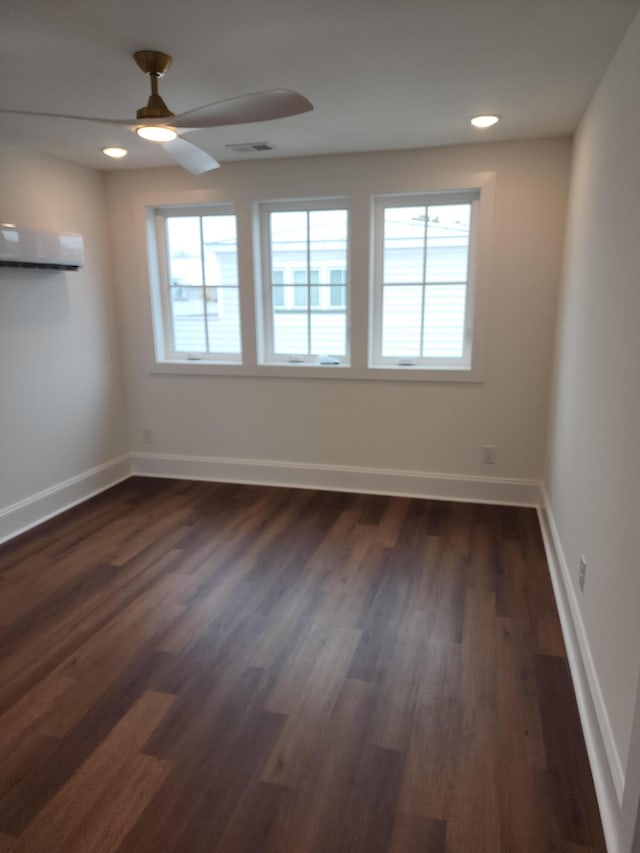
[[248, 147]]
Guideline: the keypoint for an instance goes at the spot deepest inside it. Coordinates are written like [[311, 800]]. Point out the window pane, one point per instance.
[[290, 333], [403, 248], [183, 242], [401, 319], [277, 277], [284, 298], [448, 242], [187, 313], [289, 239], [338, 276], [327, 297], [328, 333], [301, 277], [328, 241], [220, 250], [444, 321], [223, 319], [300, 297]]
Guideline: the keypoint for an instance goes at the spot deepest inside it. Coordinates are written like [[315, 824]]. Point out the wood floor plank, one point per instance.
[[117, 809], [51, 769], [473, 808], [518, 709], [20, 756], [198, 801], [316, 810], [309, 707], [386, 614], [434, 741], [415, 834], [51, 538], [100, 777], [393, 717], [48, 645], [210, 705], [265, 804], [8, 843], [566, 754], [35, 705], [368, 817], [203, 667], [442, 591], [391, 521]]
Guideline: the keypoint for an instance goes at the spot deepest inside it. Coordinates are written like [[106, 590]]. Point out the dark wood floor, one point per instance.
[[198, 667]]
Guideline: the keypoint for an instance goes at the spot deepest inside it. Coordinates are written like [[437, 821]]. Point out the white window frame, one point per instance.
[[161, 303], [266, 355], [464, 363]]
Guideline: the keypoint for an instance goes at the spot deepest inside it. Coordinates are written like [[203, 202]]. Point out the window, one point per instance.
[[418, 311], [422, 280], [304, 305], [199, 312]]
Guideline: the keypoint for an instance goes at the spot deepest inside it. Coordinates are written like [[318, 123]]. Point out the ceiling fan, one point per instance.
[[157, 123]]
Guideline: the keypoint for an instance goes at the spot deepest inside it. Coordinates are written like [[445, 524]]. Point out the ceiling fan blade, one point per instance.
[[127, 122], [259, 106], [190, 156]]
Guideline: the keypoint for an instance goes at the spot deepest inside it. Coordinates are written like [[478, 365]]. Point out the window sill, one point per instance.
[[316, 371]]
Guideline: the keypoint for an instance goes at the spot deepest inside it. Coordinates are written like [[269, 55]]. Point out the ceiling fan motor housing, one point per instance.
[[152, 62]]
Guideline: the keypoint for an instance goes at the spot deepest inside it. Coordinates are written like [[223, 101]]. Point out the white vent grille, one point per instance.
[[248, 147]]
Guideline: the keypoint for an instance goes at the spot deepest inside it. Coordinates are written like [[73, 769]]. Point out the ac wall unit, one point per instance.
[[33, 248]]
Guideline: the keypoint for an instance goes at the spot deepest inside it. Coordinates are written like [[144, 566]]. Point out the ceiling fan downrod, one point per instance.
[[155, 64]]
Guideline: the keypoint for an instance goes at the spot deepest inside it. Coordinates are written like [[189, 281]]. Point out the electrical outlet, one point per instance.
[[582, 573], [147, 436], [489, 454]]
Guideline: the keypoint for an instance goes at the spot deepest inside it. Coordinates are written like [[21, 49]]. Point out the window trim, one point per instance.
[[264, 308], [162, 305]]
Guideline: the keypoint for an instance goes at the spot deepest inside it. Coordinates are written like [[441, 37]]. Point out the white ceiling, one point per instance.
[[381, 75]]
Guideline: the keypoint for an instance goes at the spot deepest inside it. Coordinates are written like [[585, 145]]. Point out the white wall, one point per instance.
[[412, 426], [593, 473], [61, 409]]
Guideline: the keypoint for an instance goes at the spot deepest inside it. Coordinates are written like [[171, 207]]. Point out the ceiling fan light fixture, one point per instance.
[[115, 152], [155, 133], [485, 121]]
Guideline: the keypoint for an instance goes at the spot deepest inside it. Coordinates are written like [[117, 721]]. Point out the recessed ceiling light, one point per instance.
[[114, 152], [484, 121], [156, 134]]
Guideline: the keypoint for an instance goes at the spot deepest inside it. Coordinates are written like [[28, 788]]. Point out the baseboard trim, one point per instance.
[[339, 478], [606, 767], [29, 512]]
